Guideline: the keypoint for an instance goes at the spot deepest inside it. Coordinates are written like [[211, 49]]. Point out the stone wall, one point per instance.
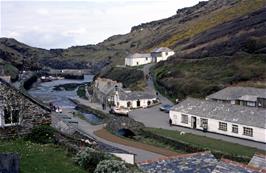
[[31, 114], [118, 123]]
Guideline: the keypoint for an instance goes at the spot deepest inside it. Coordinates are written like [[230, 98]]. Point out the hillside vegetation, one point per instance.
[[131, 78], [172, 32], [201, 77]]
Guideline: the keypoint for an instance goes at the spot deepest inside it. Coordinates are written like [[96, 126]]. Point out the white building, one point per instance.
[[134, 99], [227, 119], [138, 59], [161, 54]]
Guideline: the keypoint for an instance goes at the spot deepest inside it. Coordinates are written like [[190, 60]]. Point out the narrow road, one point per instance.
[[90, 130]]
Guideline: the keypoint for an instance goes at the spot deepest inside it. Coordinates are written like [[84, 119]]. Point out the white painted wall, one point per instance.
[[137, 61], [213, 126], [163, 56], [128, 158], [143, 103], [123, 103]]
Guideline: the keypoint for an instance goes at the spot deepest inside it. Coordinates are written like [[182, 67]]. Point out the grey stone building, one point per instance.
[[19, 113], [244, 96], [103, 89]]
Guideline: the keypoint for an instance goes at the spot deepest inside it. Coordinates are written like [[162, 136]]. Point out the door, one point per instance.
[[193, 122], [138, 103]]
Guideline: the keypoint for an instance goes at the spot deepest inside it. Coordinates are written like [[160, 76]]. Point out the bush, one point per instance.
[[89, 158], [43, 134], [114, 166]]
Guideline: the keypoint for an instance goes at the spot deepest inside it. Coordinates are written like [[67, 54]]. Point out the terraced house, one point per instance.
[[222, 118], [19, 113]]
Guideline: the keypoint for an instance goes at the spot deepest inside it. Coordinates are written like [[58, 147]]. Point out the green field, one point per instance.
[[206, 143], [36, 158]]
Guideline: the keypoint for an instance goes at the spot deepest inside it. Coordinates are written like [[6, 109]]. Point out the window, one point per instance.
[[222, 126], [235, 128], [11, 117], [203, 123], [184, 119], [251, 104], [247, 131]]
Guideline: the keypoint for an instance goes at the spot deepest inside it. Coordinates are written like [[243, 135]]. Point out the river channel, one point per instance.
[[45, 92]]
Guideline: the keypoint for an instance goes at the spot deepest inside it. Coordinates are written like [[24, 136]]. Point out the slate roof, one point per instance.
[[203, 162], [162, 49], [226, 166], [259, 161], [110, 149], [255, 117], [139, 55], [233, 93], [135, 95], [27, 96]]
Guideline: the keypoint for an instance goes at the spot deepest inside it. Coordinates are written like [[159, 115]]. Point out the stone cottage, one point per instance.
[[103, 88], [19, 113]]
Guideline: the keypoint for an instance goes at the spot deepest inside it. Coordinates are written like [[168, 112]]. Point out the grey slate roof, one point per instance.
[[110, 149], [198, 162], [135, 95], [259, 161], [162, 49], [226, 166], [233, 93], [139, 55], [255, 117]]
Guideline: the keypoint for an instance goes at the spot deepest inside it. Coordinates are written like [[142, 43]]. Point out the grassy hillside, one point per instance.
[[213, 19], [130, 77], [170, 32], [199, 78]]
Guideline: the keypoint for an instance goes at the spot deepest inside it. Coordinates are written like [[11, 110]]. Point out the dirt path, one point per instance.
[[103, 133]]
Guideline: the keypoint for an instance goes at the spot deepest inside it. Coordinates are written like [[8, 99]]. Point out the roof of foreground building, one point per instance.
[[249, 116], [203, 162]]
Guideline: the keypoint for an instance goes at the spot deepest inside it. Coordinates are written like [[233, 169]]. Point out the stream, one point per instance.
[[45, 92]]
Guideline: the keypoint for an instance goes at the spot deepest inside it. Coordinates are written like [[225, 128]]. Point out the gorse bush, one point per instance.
[[43, 134], [112, 166], [89, 158]]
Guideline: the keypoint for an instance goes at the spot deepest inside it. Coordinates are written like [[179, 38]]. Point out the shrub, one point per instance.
[[114, 166], [89, 158], [42, 134]]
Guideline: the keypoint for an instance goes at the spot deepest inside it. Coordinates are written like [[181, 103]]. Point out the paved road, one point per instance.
[[89, 129], [152, 117]]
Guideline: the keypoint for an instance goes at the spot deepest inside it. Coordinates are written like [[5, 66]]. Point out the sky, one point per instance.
[[65, 23]]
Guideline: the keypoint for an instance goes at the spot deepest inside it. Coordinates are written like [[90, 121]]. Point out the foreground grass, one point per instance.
[[36, 158], [206, 143]]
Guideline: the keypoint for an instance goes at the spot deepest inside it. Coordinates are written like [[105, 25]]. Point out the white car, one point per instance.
[[119, 111]]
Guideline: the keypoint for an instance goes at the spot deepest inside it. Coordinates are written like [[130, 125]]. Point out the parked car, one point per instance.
[[166, 108], [119, 111]]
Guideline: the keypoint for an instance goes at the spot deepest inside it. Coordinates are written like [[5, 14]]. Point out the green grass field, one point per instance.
[[36, 158], [206, 143]]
